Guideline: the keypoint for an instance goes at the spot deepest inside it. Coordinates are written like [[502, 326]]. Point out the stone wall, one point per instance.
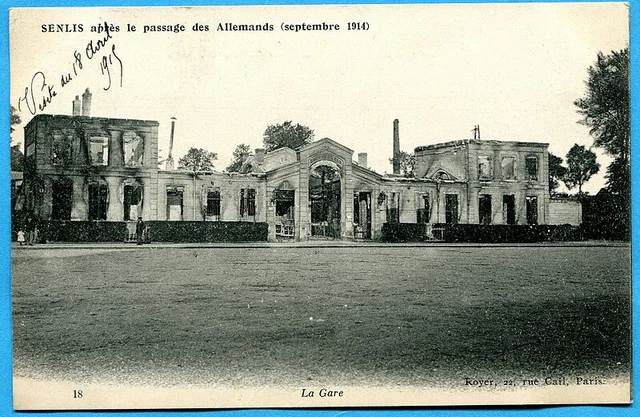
[[565, 211]]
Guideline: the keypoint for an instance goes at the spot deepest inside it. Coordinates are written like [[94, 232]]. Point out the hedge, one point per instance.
[[200, 231], [479, 233], [160, 231], [404, 232], [81, 231]]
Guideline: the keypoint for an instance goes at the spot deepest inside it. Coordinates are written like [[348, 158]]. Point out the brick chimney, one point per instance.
[[169, 166], [86, 103], [76, 106], [260, 155], [396, 146], [362, 159]]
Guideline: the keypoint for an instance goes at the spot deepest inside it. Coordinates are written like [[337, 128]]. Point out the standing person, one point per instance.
[[30, 224], [139, 230], [21, 237]]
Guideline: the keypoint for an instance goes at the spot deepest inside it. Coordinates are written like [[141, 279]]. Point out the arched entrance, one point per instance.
[[324, 197]]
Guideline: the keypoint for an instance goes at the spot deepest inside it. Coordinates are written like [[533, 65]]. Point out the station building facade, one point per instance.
[[104, 169]]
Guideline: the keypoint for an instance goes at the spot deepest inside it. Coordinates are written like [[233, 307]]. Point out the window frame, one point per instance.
[[450, 211], [485, 218], [529, 175], [489, 164], [514, 169], [105, 146], [97, 201], [214, 203]]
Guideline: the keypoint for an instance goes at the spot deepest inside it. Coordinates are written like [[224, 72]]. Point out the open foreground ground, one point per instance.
[[293, 316]]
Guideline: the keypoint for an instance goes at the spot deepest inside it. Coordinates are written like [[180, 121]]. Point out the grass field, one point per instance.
[[264, 316]]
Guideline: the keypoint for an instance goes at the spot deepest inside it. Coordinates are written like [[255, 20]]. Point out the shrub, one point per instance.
[[480, 233], [199, 231], [404, 232], [81, 231], [160, 231]]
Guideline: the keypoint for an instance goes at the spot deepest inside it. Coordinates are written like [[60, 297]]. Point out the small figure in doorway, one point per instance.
[[139, 231]]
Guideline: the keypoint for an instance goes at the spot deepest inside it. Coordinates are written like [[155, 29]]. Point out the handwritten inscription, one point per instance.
[[38, 95], [41, 92], [107, 62], [42, 89]]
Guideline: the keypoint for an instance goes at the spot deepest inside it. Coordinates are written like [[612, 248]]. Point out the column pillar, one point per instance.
[[115, 212], [115, 148], [347, 217], [79, 208]]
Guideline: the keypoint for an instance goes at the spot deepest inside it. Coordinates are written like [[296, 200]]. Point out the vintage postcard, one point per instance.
[[320, 206]]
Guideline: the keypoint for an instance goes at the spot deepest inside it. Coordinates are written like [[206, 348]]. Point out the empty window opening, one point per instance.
[[393, 208], [509, 209], [251, 202], [285, 203], [285, 200], [247, 202], [99, 150], [62, 199], [98, 201], [132, 202], [532, 210], [325, 198], [484, 167], [213, 203], [61, 150], [174, 205], [424, 211], [451, 208], [133, 149], [508, 168], [484, 209], [531, 166], [362, 214]]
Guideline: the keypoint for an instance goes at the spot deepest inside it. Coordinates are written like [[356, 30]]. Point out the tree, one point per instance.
[[17, 157], [286, 135], [14, 118], [557, 172], [407, 163], [240, 155], [606, 111], [197, 159], [581, 165]]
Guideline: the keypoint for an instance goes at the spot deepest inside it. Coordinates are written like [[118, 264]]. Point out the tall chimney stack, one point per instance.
[[362, 159], [170, 166], [86, 103], [76, 106], [396, 146]]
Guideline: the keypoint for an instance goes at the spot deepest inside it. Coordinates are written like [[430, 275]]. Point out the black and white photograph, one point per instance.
[[320, 206]]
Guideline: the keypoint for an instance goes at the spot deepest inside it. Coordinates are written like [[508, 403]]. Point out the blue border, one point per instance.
[[5, 257]]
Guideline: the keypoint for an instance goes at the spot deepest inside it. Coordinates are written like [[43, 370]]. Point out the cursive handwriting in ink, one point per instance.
[[44, 96], [77, 65], [106, 63], [92, 48], [40, 93]]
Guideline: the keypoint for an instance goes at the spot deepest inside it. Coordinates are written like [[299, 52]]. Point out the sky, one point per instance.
[[513, 69]]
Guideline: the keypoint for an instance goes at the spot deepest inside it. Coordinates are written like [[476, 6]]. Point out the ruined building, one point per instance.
[[91, 168]]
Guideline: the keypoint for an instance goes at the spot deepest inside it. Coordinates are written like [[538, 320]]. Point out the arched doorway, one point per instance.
[[324, 197]]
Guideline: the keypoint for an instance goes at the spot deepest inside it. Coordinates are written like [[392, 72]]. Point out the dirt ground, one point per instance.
[[264, 316]]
